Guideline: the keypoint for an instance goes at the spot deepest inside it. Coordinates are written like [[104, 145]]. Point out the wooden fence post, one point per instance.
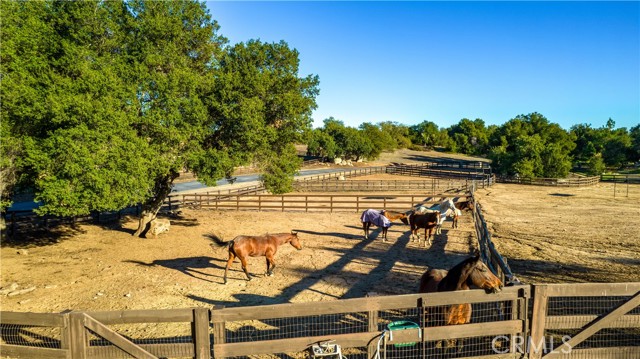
[[535, 344], [77, 336], [200, 328], [65, 335], [219, 328], [373, 327]]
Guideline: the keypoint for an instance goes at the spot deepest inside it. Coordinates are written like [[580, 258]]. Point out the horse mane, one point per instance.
[[454, 278]]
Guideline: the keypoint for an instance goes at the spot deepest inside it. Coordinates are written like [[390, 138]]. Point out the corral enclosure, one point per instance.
[[547, 234], [95, 268]]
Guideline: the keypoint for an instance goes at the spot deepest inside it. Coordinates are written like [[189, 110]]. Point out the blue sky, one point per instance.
[[408, 62]]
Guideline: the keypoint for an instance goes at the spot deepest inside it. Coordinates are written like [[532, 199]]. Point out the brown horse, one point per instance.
[[255, 246], [381, 219], [464, 205], [459, 207], [470, 272], [428, 221]]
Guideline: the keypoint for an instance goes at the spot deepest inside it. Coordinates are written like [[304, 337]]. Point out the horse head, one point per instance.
[[295, 241], [481, 276]]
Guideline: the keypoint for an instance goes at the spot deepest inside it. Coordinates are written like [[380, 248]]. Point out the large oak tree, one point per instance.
[[104, 103]]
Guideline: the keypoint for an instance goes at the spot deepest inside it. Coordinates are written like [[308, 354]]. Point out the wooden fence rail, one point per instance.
[[621, 178], [356, 323], [559, 182], [315, 202], [488, 251], [433, 185]]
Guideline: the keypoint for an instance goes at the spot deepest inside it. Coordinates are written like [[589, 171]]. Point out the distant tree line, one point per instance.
[[527, 145]]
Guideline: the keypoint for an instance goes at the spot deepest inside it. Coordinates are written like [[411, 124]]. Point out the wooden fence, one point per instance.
[[433, 185], [559, 182], [621, 178], [308, 202], [344, 174], [488, 251], [595, 320]]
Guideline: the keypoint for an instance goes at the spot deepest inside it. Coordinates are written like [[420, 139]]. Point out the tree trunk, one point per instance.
[[151, 207]]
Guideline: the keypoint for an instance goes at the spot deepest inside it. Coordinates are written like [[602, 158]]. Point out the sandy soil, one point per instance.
[[547, 234], [560, 234]]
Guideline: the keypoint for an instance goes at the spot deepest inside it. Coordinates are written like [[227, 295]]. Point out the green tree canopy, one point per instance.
[[108, 101], [634, 153], [531, 146], [380, 140], [470, 137], [428, 134], [321, 144]]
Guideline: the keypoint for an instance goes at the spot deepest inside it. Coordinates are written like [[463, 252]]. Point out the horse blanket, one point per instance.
[[376, 217]]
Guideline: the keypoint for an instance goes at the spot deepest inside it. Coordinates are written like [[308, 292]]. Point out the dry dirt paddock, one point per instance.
[[560, 234], [547, 234]]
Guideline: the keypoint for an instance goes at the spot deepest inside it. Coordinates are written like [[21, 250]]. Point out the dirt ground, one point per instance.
[[105, 268], [560, 234], [547, 234]]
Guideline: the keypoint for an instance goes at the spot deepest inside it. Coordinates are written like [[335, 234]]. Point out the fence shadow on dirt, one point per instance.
[[187, 265]]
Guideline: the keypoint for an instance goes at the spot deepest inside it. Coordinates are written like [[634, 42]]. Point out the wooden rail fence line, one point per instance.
[[315, 202], [559, 182], [435, 184]]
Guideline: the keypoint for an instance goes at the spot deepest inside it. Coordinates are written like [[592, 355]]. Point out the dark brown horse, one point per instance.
[[255, 246], [459, 207], [428, 221], [472, 272], [381, 219], [464, 205]]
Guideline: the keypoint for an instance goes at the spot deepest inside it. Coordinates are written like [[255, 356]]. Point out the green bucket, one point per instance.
[[403, 325]]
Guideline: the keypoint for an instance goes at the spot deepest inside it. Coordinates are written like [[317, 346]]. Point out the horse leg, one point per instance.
[[232, 257], [243, 260], [270, 260], [384, 234], [365, 228]]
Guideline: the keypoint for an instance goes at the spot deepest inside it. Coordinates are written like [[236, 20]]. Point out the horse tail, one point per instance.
[[217, 241]]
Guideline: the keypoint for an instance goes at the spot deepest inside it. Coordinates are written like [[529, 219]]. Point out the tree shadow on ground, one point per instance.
[[37, 236], [626, 261]]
